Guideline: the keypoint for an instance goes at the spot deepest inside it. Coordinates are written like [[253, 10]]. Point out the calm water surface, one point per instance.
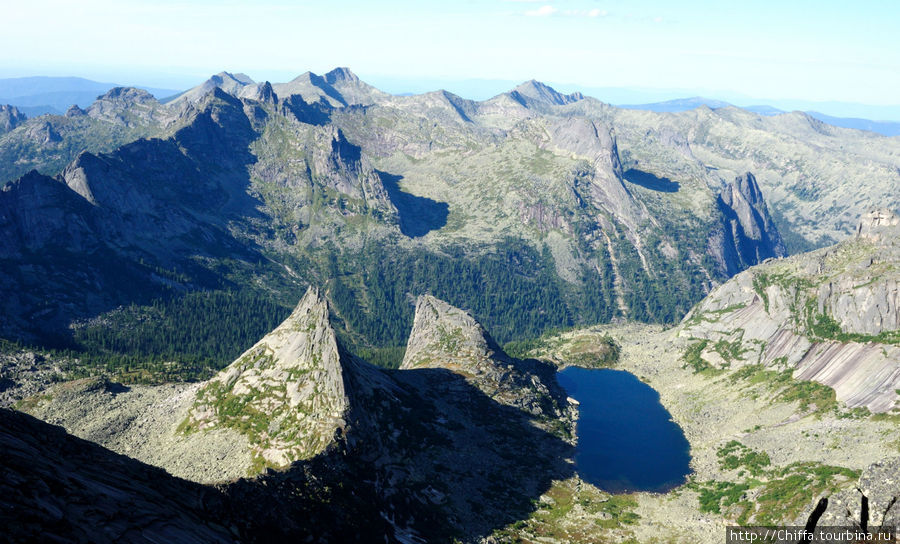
[[627, 441]]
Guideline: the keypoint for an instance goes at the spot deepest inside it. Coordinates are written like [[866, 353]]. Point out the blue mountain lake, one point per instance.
[[627, 441]]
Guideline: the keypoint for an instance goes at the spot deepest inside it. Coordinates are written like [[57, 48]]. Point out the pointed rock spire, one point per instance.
[[286, 393], [444, 336], [750, 233]]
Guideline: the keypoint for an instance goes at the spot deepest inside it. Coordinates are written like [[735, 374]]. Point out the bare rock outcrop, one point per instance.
[[831, 316], [446, 337], [10, 118], [873, 503], [288, 393], [749, 233]]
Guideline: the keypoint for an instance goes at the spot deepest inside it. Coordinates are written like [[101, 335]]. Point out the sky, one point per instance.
[[838, 51]]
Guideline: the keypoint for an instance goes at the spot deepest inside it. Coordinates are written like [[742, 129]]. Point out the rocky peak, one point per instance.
[[127, 94], [287, 393], [341, 74], [10, 118], [74, 111], [232, 84], [225, 80], [352, 89], [126, 106], [535, 91], [876, 223], [43, 133], [750, 235], [447, 337], [265, 93]]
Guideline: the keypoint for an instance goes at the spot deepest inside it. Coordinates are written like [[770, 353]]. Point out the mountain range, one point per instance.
[[598, 210], [154, 254], [886, 128]]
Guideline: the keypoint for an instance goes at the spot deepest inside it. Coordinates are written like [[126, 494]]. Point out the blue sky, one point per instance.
[[815, 51]]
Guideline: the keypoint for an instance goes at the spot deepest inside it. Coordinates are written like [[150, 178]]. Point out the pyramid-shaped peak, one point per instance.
[[340, 74], [446, 336], [287, 393], [305, 76], [545, 94]]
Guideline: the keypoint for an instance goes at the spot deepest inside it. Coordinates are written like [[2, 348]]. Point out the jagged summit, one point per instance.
[[447, 337], [533, 91], [444, 336], [341, 74], [750, 233], [287, 393]]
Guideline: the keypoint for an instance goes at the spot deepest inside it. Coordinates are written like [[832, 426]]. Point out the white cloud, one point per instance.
[[596, 12], [543, 11]]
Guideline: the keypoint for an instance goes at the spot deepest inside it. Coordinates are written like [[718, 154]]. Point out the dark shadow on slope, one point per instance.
[[418, 215], [160, 225], [435, 457], [650, 181], [55, 487]]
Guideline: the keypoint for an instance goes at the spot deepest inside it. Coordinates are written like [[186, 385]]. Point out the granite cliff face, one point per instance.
[[830, 315], [288, 393], [446, 337], [750, 236]]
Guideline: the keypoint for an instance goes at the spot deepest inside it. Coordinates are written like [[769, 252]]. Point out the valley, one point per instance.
[[315, 310]]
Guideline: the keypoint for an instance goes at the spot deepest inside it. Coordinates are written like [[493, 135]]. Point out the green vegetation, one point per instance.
[[182, 338], [715, 495], [712, 316], [585, 350], [734, 455], [552, 517], [731, 351], [386, 357], [770, 496], [824, 327], [785, 388], [693, 358]]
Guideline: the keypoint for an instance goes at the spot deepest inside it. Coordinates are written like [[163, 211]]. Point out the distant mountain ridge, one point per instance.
[[572, 210], [38, 95], [887, 128]]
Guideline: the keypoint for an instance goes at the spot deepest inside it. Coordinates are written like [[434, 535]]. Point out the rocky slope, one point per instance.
[[10, 118], [830, 316], [446, 337], [436, 441], [309, 176], [289, 393], [56, 487]]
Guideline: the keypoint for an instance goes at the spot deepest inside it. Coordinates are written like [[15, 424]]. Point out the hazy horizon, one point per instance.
[[824, 51]]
